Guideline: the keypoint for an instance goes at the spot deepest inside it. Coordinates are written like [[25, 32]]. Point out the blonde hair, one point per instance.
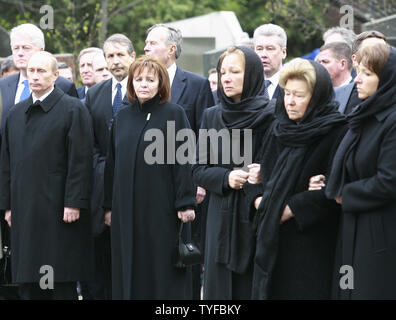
[[300, 69]]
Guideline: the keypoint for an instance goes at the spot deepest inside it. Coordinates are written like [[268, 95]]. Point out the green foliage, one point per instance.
[[80, 24]]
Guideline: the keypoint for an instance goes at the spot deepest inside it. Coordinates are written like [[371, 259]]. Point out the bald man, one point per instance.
[[45, 174]]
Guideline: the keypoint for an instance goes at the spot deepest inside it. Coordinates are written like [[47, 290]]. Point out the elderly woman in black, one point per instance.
[[363, 181], [243, 109], [296, 236]]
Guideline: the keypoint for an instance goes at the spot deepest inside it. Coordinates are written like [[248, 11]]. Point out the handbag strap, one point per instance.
[[181, 230]]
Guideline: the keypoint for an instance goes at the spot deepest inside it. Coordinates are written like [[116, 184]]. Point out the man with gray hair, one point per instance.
[[188, 90], [8, 67], [270, 41], [339, 34], [26, 39], [45, 176], [192, 92], [103, 101], [86, 70]]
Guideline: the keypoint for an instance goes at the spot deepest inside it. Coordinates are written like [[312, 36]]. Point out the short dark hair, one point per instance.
[[7, 64], [341, 50], [151, 63], [374, 57], [365, 35]]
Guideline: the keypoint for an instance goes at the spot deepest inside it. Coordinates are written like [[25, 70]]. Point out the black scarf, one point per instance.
[[252, 109], [320, 117], [235, 240], [382, 99]]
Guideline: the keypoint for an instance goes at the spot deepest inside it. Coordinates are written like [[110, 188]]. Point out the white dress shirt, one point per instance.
[[20, 88], [43, 96], [114, 82], [172, 72], [274, 83]]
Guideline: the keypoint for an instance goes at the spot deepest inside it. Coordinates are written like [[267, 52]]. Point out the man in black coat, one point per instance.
[[45, 178], [26, 39], [103, 101], [86, 70], [189, 90], [270, 43]]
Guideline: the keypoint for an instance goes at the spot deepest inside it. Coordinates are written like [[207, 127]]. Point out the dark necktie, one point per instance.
[[117, 99], [26, 91], [267, 84]]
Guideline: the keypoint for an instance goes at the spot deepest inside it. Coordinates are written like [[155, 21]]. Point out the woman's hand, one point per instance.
[[186, 215], [237, 179], [108, 218], [7, 218], [254, 173], [201, 193], [338, 200], [257, 202], [316, 182], [287, 214]]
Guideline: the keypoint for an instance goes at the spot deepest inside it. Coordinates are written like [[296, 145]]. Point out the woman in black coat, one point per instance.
[[243, 109], [297, 228], [363, 181], [146, 190]]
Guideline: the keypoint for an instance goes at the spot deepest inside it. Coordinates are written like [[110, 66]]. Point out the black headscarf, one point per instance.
[[382, 99], [235, 240], [250, 111], [320, 117]]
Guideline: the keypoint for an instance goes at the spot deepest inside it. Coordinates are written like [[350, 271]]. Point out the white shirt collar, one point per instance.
[[275, 78], [21, 78], [172, 72], [42, 98], [123, 82]]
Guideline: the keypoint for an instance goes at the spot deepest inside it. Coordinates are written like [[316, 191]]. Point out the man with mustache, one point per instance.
[[103, 101]]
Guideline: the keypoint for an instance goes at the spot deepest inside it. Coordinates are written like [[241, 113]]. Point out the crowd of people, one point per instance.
[[79, 194]]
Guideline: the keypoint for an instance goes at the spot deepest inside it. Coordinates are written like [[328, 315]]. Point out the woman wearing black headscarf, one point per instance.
[[230, 232], [296, 233], [363, 181]]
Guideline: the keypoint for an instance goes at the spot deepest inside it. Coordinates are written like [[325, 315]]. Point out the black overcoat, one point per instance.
[[307, 242], [144, 199], [219, 281], [369, 207], [46, 158]]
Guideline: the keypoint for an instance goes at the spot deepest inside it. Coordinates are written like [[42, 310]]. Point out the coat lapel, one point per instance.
[[342, 96], [178, 85]]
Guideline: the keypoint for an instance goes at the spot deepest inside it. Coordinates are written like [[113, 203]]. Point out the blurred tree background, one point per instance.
[[80, 24]]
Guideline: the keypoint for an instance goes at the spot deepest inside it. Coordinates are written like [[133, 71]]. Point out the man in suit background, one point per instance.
[[65, 71], [100, 68], [25, 39], [270, 41], [336, 57], [86, 70], [189, 90], [192, 92], [103, 101]]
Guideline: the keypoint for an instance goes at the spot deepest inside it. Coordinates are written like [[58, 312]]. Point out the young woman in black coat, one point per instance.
[[146, 194], [297, 228], [363, 181], [244, 109]]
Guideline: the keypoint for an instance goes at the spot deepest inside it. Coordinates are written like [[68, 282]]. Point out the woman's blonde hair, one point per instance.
[[300, 69]]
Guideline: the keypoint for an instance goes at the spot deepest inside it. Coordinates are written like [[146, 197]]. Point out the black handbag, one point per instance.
[[5, 266], [186, 253]]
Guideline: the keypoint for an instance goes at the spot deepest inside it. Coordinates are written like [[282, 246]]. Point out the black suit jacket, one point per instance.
[[81, 92], [8, 88], [193, 93]]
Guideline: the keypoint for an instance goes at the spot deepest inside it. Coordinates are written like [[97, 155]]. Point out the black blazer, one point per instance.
[[81, 92], [8, 88], [193, 93]]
